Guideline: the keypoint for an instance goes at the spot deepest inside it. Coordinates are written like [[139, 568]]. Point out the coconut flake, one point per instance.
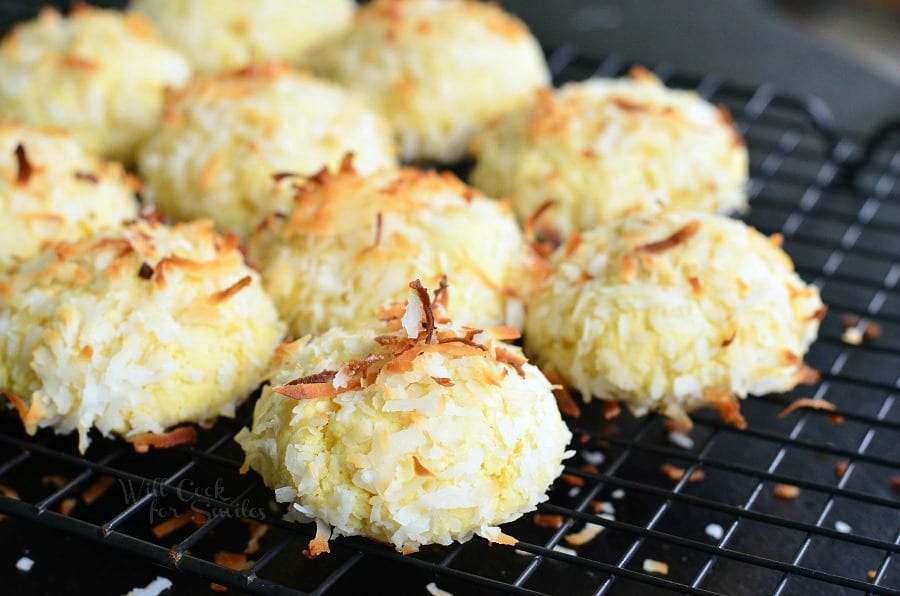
[[714, 531], [842, 527], [595, 458], [585, 535], [618, 494], [652, 566], [681, 439], [436, 591], [25, 564], [413, 315], [565, 551], [154, 588]]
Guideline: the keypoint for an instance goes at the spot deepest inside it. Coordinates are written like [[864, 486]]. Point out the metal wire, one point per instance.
[[837, 203]]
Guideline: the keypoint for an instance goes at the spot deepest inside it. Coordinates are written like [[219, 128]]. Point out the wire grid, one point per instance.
[[838, 206]]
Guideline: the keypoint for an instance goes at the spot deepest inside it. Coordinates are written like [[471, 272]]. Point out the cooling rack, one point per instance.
[[719, 528]]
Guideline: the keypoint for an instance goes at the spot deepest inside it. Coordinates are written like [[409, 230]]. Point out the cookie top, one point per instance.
[[343, 255], [673, 311], [438, 69], [134, 332], [51, 190], [227, 140], [99, 74], [604, 148], [221, 36]]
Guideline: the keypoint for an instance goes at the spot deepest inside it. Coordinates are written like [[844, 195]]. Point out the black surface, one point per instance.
[[842, 227]]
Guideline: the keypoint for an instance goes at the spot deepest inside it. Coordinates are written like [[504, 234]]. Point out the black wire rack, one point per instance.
[[835, 199]]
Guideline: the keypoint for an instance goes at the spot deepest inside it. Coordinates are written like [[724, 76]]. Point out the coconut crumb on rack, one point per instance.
[[564, 550], [787, 492], [714, 531], [675, 473], [842, 527], [653, 566], [806, 402], [548, 520], [97, 489], [840, 468], [183, 435], [433, 589], [154, 588], [24, 564], [584, 535]]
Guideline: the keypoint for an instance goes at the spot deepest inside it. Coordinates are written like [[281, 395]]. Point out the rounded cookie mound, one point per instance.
[[135, 332], [100, 74], [604, 148], [344, 253], [232, 146], [672, 312], [220, 36], [438, 69], [409, 438], [51, 190]]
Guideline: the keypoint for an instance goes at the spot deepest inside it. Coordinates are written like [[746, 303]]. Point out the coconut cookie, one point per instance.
[[100, 74], [134, 332], [438, 69], [346, 250], [422, 435], [51, 190], [672, 312], [233, 147], [604, 148], [221, 36]]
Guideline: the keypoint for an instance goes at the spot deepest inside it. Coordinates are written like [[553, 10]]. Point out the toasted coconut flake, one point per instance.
[[55, 480], [572, 480], [675, 473], [679, 237], [146, 271], [871, 574], [547, 520], [422, 293], [872, 331], [659, 567], [443, 381], [514, 360], [67, 505], [611, 409], [787, 492], [8, 492], [183, 435], [807, 375], [840, 468], [505, 540], [223, 295], [564, 400], [236, 561], [257, 531], [835, 418], [173, 524], [806, 402], [379, 223], [319, 543], [24, 169], [529, 224], [585, 535], [895, 482], [505, 333], [97, 489], [420, 469], [730, 412]]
